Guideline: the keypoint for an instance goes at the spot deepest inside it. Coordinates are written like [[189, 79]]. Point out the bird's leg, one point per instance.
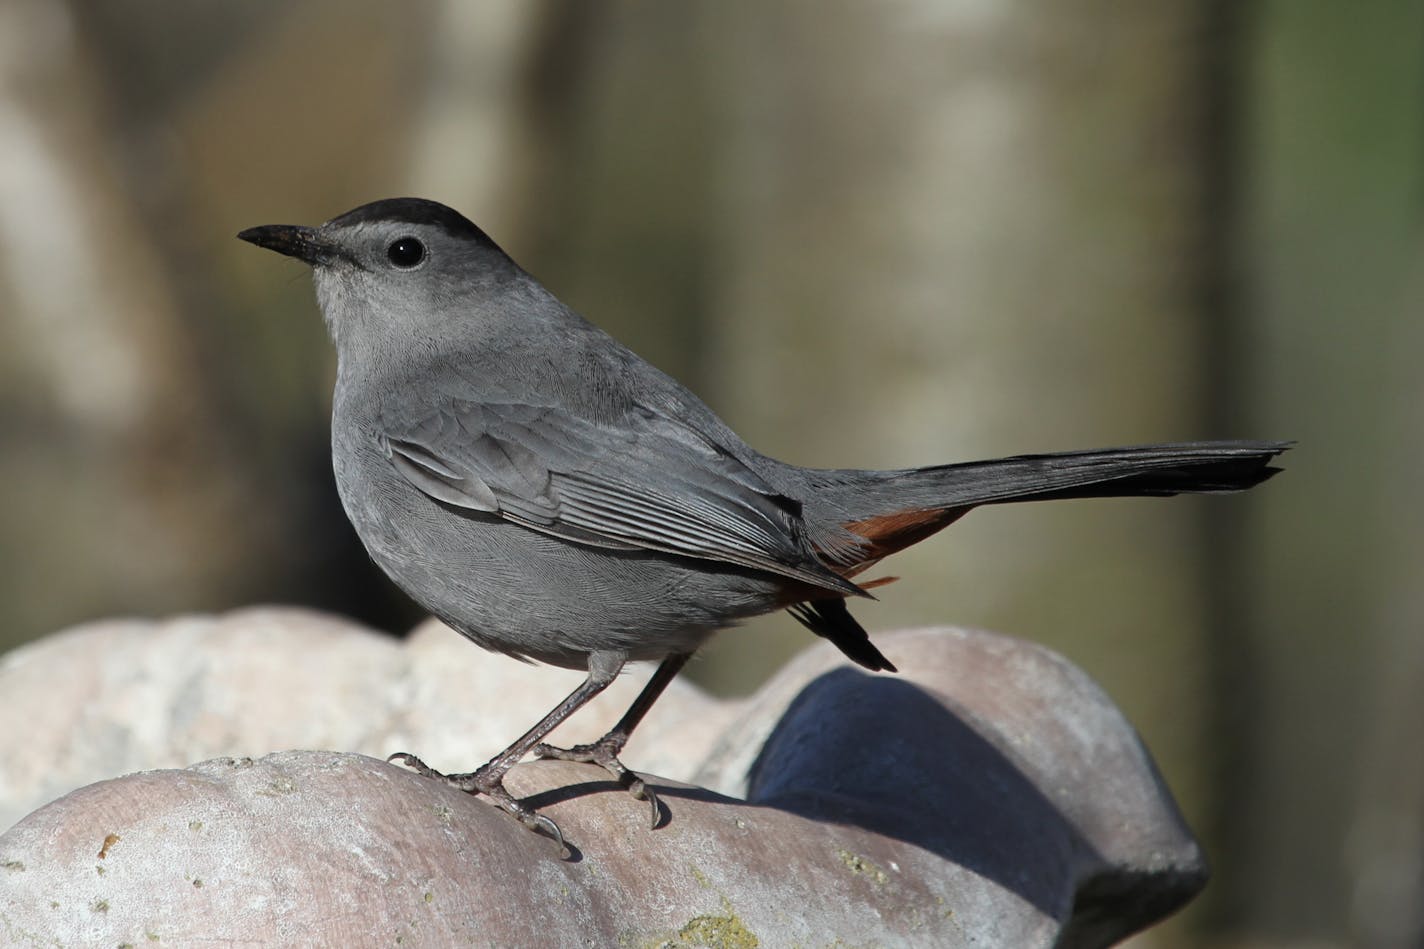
[[488, 779], [604, 752]]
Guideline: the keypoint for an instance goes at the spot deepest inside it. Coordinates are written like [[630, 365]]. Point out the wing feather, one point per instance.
[[648, 482]]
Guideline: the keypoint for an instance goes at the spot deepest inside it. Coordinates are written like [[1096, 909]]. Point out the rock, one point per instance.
[[112, 697], [991, 795], [987, 749]]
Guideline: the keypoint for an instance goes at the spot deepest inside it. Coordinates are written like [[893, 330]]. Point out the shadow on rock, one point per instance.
[[887, 756]]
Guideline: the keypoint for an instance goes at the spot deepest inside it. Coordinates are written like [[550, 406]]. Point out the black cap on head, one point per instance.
[[416, 211]]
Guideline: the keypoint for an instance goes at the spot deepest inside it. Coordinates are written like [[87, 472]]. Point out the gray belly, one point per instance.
[[522, 592]]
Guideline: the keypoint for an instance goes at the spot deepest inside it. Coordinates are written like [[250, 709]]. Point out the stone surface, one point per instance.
[[112, 697], [977, 727], [990, 795]]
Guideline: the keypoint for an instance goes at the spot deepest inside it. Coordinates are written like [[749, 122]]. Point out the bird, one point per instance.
[[552, 496]]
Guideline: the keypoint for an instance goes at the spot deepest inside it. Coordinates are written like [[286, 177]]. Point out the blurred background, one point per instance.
[[869, 235]]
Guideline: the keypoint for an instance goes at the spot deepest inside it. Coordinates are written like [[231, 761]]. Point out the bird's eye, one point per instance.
[[405, 253]]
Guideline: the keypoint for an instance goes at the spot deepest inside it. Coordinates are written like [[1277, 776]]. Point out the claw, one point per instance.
[[406, 758], [549, 829], [653, 803], [640, 790]]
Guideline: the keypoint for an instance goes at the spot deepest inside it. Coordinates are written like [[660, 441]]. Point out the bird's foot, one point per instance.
[[604, 753], [485, 781]]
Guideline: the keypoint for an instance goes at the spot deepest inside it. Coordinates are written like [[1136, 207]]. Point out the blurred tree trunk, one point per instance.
[[962, 229], [621, 195], [109, 508], [1338, 172], [476, 129], [164, 441]]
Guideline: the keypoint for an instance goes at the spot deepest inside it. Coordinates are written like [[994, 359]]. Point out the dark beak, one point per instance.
[[303, 243]]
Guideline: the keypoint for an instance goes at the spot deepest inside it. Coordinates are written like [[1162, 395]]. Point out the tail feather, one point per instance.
[[830, 619], [1148, 470]]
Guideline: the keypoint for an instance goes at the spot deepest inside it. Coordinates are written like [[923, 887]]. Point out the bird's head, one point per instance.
[[401, 269]]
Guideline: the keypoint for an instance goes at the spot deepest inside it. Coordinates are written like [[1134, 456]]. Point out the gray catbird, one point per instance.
[[553, 497]]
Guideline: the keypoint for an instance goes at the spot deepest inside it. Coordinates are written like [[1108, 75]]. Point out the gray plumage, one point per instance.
[[552, 496]]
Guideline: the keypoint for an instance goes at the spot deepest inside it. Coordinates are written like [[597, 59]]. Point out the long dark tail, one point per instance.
[[1190, 467], [859, 517]]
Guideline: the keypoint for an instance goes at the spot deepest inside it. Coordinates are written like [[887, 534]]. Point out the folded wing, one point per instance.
[[647, 482]]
